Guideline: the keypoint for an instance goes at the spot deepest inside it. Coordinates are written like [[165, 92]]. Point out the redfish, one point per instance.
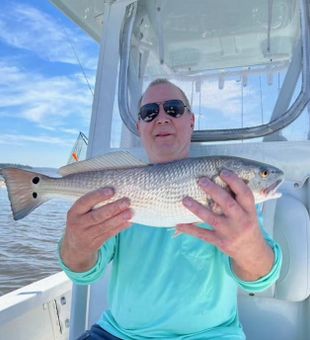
[[155, 190]]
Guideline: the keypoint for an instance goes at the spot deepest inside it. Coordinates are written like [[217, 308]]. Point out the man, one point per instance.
[[164, 287]]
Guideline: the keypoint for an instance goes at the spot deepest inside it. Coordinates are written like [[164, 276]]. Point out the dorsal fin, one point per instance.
[[112, 160]]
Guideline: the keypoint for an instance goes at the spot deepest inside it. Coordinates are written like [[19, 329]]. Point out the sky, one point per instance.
[[44, 98]]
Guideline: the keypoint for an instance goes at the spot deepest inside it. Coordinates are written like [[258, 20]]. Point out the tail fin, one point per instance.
[[24, 190]]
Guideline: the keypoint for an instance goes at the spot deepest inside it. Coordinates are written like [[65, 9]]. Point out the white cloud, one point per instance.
[[10, 74], [31, 29], [227, 100], [16, 139], [74, 132], [219, 108], [70, 131], [42, 99]]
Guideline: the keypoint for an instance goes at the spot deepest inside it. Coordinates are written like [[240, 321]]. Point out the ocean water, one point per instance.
[[28, 246]]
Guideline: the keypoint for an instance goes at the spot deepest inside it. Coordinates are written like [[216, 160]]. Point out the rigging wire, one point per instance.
[[242, 104], [199, 117], [261, 99], [239, 80], [308, 108], [192, 95], [78, 59]]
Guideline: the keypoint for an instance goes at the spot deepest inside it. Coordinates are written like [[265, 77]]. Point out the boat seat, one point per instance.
[[287, 221], [292, 230]]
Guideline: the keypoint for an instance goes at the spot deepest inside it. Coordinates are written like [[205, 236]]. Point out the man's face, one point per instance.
[[165, 138]]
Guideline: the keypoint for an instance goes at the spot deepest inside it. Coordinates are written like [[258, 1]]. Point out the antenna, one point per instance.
[[77, 58], [308, 107], [261, 97]]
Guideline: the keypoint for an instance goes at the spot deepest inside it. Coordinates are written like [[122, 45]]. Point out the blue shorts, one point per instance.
[[97, 333]]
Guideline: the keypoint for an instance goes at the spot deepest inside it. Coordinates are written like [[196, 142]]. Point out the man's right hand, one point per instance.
[[88, 228]]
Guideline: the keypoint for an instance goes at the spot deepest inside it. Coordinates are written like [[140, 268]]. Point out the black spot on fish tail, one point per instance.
[[36, 180]]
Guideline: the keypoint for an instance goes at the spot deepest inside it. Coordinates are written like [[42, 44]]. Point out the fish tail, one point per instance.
[[23, 190]]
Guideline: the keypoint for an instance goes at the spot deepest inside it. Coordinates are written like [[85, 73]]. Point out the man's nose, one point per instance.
[[162, 117]]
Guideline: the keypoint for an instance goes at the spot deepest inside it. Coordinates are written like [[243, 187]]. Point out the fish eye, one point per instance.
[[264, 173]]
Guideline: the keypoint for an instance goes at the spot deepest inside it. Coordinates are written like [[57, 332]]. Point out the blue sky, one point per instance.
[[44, 98]]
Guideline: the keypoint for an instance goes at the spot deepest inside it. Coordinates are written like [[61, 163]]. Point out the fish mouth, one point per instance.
[[271, 191]]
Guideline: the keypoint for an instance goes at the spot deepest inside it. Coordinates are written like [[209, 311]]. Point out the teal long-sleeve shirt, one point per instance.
[[170, 288]]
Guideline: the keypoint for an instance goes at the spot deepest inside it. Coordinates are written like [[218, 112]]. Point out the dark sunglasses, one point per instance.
[[174, 108]]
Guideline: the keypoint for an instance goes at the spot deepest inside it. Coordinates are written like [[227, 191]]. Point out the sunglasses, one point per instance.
[[174, 108]]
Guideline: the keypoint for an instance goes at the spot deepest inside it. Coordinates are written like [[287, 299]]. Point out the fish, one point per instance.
[[155, 190]]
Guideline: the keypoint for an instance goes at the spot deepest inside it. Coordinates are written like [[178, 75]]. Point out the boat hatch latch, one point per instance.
[[59, 314]]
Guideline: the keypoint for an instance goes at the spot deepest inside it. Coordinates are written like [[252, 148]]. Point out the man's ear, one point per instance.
[[192, 121]]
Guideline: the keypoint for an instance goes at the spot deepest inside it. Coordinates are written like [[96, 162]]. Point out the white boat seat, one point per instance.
[[287, 221], [292, 230]]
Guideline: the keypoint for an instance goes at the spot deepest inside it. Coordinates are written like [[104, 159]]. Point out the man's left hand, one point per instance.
[[236, 231]]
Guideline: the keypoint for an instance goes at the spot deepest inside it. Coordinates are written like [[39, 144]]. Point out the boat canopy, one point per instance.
[[243, 65], [88, 14]]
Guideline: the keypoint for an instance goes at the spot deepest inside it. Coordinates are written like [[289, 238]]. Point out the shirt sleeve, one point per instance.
[[105, 255], [267, 280]]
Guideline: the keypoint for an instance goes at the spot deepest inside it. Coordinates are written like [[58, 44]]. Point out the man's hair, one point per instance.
[[160, 81]]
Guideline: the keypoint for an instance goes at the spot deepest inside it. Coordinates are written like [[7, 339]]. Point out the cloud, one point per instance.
[[42, 99], [74, 132], [225, 102], [70, 131], [16, 139], [31, 29]]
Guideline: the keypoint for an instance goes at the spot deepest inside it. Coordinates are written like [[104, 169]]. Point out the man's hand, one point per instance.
[[88, 228], [236, 232]]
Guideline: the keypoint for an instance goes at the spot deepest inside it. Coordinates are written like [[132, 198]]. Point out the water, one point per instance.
[[28, 246]]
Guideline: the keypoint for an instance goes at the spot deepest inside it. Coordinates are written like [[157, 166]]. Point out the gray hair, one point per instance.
[[160, 81]]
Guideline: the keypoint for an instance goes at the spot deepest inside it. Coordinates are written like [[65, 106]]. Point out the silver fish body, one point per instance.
[[155, 191]]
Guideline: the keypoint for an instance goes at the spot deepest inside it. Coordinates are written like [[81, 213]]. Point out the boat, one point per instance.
[[254, 56], [79, 148]]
